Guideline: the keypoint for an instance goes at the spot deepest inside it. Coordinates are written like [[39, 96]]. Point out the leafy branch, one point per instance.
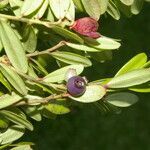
[[40, 80], [30, 21], [36, 53], [41, 101]]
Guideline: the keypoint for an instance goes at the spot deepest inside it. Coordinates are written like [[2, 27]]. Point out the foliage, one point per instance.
[[37, 49]]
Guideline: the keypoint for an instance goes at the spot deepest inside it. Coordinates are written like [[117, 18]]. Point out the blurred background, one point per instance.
[[86, 128]]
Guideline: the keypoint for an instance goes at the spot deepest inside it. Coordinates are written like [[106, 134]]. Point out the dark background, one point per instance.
[[86, 128]]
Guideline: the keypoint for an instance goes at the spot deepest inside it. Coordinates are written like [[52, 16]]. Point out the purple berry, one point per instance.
[[76, 86]]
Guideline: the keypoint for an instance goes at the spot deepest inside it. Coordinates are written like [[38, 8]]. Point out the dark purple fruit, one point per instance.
[[76, 86]]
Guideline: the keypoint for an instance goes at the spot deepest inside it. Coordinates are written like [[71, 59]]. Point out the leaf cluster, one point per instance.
[[37, 48]]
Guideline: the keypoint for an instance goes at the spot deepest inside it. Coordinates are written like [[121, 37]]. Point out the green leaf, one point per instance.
[[13, 133], [136, 62], [57, 109], [30, 6], [131, 78], [40, 67], [81, 47], [29, 39], [22, 147], [13, 47], [127, 2], [22, 143], [42, 9], [137, 6], [3, 146], [59, 7], [3, 122], [103, 5], [79, 5], [113, 10], [144, 88], [92, 7], [70, 14], [33, 112], [5, 82], [67, 34], [146, 65], [49, 15], [122, 99], [32, 97], [7, 100], [125, 9], [16, 6], [59, 75], [106, 43], [17, 118], [1, 46], [47, 114], [31, 71], [14, 79], [71, 58], [93, 93], [3, 3]]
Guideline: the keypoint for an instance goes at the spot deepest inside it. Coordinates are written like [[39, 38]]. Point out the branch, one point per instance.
[[30, 21], [41, 101], [40, 81], [60, 44]]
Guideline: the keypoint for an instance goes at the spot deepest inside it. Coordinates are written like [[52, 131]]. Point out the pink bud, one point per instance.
[[86, 26]]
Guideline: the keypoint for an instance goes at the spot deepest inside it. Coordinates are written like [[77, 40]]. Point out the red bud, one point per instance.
[[86, 26]]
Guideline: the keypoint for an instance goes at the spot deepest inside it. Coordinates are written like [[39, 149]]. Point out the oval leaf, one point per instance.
[[59, 7], [5, 82], [144, 88], [71, 58], [17, 118], [13, 47], [127, 2], [78, 5], [14, 79], [3, 3], [1, 46], [7, 100], [42, 10], [136, 62], [29, 39], [3, 123], [106, 43], [57, 109], [59, 75], [93, 93], [122, 99], [12, 134], [30, 6], [33, 112], [16, 6], [103, 5], [137, 6], [126, 10], [67, 34], [129, 79], [70, 14], [81, 47], [49, 15], [22, 147], [92, 7], [113, 10]]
